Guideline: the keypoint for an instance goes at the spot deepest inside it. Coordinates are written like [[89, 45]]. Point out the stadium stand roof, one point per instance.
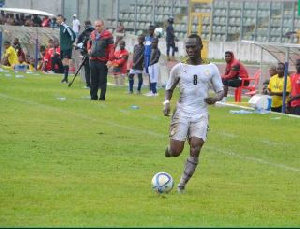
[[26, 11], [280, 51]]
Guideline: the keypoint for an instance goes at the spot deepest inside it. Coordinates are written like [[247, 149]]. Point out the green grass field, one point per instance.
[[67, 161]]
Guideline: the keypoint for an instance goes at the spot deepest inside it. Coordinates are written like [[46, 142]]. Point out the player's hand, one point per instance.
[[167, 109], [211, 100]]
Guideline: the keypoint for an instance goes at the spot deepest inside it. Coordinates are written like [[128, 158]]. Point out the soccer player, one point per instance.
[[190, 117]]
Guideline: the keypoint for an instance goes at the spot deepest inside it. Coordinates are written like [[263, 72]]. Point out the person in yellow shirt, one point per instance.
[[276, 86], [10, 55]]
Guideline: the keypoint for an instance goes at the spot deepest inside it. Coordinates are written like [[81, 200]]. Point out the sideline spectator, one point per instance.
[[37, 21], [190, 118], [295, 91], [10, 55], [101, 49], [76, 25], [28, 21], [82, 45], [53, 23], [67, 38], [148, 41], [18, 48], [154, 67], [170, 38], [276, 86], [272, 72], [47, 63], [46, 22], [137, 67], [120, 33], [56, 62], [119, 64], [234, 72]]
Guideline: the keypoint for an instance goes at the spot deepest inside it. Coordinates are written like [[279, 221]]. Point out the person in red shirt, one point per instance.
[[47, 57], [234, 71], [100, 49], [46, 22], [295, 93], [119, 64]]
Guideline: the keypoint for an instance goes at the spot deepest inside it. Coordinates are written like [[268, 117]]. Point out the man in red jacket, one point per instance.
[[295, 93], [119, 64], [100, 49], [234, 71]]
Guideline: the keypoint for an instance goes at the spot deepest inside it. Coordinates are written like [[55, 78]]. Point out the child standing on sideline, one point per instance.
[[138, 65], [153, 68], [120, 64]]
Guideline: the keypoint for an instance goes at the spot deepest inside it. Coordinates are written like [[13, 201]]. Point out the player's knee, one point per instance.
[[175, 152]]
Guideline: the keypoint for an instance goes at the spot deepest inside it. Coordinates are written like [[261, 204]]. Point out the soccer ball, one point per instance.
[[162, 182]]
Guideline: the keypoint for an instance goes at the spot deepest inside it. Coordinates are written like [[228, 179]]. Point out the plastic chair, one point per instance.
[[251, 87]]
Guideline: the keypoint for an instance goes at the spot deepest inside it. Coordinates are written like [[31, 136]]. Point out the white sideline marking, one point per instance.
[[232, 154], [152, 133]]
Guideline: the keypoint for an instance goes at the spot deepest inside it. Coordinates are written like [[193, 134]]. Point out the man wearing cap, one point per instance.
[[76, 25]]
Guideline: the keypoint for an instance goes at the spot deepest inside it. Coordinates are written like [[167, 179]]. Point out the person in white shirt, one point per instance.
[[76, 25], [190, 117]]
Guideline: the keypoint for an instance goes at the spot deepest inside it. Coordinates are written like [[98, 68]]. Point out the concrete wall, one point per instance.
[[242, 51]]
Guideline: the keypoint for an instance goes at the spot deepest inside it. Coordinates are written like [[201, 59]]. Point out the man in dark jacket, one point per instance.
[[82, 45], [67, 38], [170, 38], [101, 49]]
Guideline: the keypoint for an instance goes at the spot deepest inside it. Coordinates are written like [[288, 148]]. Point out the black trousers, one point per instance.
[[295, 110], [171, 45], [277, 109], [56, 60], [98, 79]]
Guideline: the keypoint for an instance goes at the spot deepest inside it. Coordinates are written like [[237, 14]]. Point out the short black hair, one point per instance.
[[229, 52], [171, 20], [152, 27], [62, 16], [87, 22], [193, 35]]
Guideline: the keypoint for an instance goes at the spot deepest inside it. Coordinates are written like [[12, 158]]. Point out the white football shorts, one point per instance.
[[185, 126]]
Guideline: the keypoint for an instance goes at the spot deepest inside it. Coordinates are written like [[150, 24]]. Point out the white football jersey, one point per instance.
[[194, 81]]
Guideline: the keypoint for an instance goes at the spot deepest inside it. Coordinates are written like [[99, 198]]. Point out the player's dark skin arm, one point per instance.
[[168, 97], [219, 96]]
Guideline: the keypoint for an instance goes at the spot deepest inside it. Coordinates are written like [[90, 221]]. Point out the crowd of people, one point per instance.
[[101, 53], [28, 20]]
